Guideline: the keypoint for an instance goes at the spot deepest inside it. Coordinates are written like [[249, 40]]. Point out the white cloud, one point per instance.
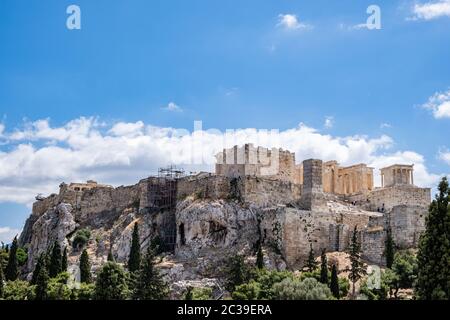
[[7, 234], [439, 104], [2, 128], [385, 125], [291, 22], [127, 129], [123, 153], [329, 122], [444, 155], [431, 10], [173, 107]]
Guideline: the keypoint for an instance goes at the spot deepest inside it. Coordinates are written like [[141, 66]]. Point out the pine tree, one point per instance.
[[311, 264], [189, 295], [150, 285], [41, 280], [433, 280], [85, 268], [64, 260], [357, 269], [260, 258], [55, 260], [334, 284], [12, 271], [111, 283], [237, 271], [2, 278], [323, 268], [389, 250], [134, 260]]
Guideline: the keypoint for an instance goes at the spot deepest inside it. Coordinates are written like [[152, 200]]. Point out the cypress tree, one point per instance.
[[134, 260], [357, 269], [389, 250], [150, 285], [85, 268], [41, 263], [323, 268], [64, 260], [41, 280], [433, 280], [2, 278], [12, 271], [55, 261], [110, 256], [334, 284], [260, 258], [311, 264]]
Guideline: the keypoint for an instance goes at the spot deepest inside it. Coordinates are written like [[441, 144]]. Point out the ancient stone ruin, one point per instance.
[[256, 196]]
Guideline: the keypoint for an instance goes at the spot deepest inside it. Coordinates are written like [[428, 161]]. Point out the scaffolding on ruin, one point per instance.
[[162, 193], [171, 171]]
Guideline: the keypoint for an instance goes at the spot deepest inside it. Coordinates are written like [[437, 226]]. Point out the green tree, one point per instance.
[[150, 285], [260, 258], [22, 256], [311, 263], [389, 250], [2, 279], [55, 260], [85, 268], [111, 283], [86, 291], [308, 289], [134, 261], [403, 274], [357, 268], [64, 260], [58, 289], [81, 238], [41, 281], [12, 271], [18, 290], [433, 281], [323, 268], [41, 262], [334, 284], [247, 291], [198, 294], [238, 272]]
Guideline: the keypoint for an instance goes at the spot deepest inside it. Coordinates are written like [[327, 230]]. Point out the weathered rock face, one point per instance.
[[54, 225], [214, 226]]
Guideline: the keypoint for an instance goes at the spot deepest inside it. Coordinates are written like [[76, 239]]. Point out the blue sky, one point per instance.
[[230, 64]]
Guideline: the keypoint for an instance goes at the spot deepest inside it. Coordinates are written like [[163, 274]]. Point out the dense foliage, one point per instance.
[[434, 249]]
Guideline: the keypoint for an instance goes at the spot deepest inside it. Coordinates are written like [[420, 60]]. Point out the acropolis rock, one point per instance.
[[256, 196]]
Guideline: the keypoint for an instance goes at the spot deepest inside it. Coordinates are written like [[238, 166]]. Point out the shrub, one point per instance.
[[57, 288], [84, 292], [81, 238], [308, 289], [199, 294], [18, 290]]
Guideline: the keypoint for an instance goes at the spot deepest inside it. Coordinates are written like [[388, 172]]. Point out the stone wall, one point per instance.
[[399, 195], [313, 197], [407, 224]]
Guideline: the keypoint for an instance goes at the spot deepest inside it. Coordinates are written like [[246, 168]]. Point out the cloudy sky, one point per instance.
[[121, 97]]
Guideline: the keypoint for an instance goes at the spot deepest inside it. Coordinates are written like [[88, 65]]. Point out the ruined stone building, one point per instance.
[[256, 196]]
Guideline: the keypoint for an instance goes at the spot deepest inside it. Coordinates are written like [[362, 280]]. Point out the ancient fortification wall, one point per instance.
[[399, 195]]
